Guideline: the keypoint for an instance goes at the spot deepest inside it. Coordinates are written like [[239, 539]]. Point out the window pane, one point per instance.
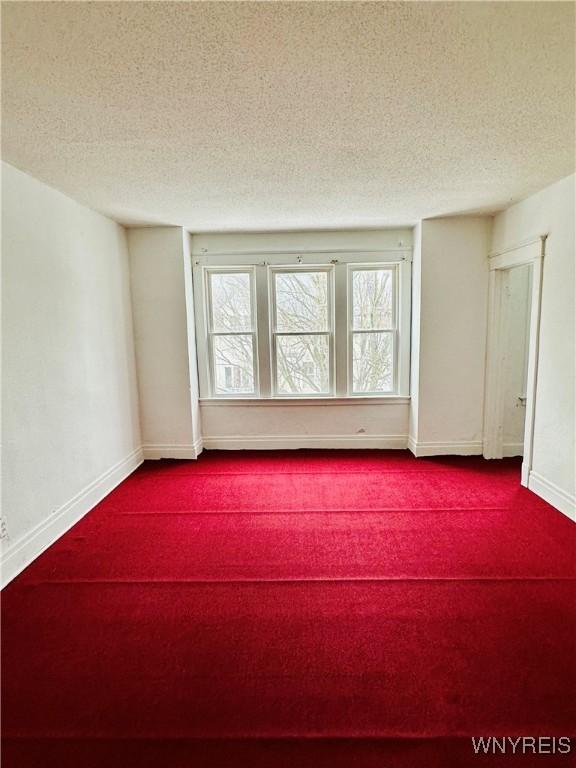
[[372, 300], [373, 362], [231, 301], [301, 301], [233, 364], [302, 364]]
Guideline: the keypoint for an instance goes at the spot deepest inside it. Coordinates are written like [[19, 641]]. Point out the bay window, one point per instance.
[[294, 326]]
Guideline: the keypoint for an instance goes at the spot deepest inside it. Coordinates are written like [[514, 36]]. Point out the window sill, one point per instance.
[[276, 401]]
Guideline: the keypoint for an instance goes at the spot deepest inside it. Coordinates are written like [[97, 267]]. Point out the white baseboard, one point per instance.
[[445, 449], [19, 554], [553, 494], [167, 451], [279, 442], [512, 449]]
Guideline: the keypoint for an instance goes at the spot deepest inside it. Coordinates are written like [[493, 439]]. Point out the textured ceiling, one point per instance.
[[289, 115]]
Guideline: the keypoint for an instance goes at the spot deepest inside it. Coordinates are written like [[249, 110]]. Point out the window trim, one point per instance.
[[341, 263]]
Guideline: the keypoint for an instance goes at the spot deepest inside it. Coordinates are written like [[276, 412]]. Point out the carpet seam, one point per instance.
[[293, 512], [351, 580], [253, 737], [193, 473]]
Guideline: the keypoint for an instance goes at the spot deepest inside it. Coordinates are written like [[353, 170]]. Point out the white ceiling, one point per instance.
[[289, 115]]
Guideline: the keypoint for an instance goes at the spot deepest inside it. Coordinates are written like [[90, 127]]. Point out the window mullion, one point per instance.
[[341, 330], [404, 290], [263, 338]]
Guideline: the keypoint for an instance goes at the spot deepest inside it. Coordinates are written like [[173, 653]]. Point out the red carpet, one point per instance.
[[296, 609]]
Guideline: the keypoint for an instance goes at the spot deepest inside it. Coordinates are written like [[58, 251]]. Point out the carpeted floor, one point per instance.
[[307, 608]]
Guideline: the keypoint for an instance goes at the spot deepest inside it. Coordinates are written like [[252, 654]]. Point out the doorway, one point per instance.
[[512, 353]]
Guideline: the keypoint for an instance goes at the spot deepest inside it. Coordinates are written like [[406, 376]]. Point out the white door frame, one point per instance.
[[530, 252]]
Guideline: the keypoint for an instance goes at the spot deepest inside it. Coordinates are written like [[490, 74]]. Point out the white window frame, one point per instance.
[[340, 265], [393, 268], [210, 333], [274, 333]]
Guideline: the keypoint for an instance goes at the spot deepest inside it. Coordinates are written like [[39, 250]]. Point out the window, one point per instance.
[[373, 328], [336, 326], [302, 331], [231, 332]]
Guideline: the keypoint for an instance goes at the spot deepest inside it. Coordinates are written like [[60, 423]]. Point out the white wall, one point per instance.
[[450, 279], [298, 425], [70, 405], [163, 327], [551, 211]]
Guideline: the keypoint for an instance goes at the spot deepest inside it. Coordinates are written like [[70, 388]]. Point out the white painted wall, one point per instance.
[[516, 291], [551, 211], [299, 242], [163, 327], [450, 279], [305, 425], [70, 404]]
